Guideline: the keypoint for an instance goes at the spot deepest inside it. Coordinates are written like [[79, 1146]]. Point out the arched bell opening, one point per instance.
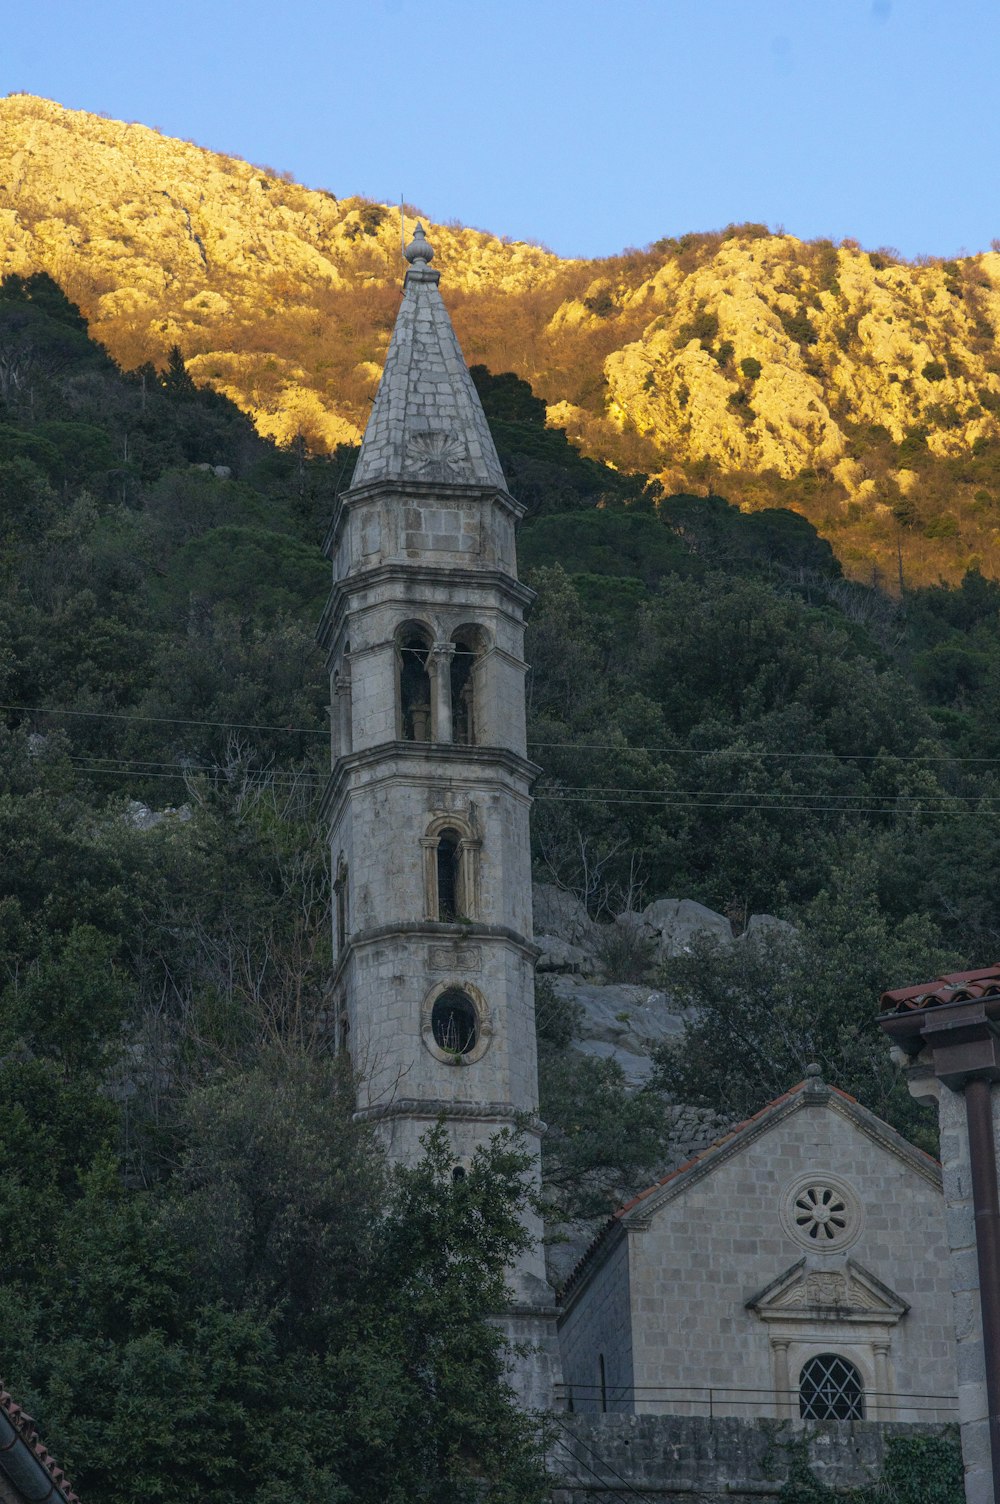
[[469, 644], [413, 683]]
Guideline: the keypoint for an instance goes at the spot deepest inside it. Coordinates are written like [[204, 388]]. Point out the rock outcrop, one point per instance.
[[625, 1021], [764, 356]]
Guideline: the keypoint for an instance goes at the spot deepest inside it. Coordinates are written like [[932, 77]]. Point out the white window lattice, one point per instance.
[[830, 1388]]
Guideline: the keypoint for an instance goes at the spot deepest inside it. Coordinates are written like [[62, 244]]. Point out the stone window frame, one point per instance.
[[469, 848], [868, 1351], [484, 1024]]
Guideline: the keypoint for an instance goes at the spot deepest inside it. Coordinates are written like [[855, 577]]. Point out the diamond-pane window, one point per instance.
[[830, 1388]]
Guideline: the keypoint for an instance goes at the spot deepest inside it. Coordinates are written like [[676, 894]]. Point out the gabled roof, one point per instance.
[[639, 1211], [956, 987], [25, 1462], [427, 423]]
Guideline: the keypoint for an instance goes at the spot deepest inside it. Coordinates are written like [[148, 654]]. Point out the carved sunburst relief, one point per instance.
[[438, 450]]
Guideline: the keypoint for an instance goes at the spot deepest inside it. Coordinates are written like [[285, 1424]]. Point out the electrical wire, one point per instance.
[[623, 748]]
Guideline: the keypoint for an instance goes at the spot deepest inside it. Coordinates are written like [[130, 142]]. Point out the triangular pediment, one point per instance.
[[847, 1292]]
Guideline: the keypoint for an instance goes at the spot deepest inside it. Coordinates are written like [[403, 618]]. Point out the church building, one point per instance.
[[430, 792], [796, 1269]]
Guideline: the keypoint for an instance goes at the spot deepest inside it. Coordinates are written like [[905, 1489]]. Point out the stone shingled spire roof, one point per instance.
[[427, 423]]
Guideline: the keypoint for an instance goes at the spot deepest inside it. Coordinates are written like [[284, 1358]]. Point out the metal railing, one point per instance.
[[716, 1400]]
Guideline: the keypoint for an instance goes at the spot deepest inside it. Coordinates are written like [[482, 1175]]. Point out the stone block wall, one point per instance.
[[973, 1407], [667, 1459]]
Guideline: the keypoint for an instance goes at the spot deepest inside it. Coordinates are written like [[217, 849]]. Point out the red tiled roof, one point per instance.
[[958, 987], [727, 1137], [25, 1428], [736, 1131]]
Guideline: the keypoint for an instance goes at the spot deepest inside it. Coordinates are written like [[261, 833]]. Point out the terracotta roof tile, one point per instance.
[[956, 987], [735, 1131], [24, 1425]]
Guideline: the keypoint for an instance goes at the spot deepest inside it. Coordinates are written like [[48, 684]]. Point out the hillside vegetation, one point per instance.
[[855, 388], [210, 1284]]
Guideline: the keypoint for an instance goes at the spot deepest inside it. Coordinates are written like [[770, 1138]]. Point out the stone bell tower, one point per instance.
[[429, 797]]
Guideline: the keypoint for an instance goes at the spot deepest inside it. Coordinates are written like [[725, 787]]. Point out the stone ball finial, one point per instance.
[[814, 1072], [419, 248]]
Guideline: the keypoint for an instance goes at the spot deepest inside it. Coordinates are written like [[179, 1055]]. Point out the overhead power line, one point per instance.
[[623, 748]]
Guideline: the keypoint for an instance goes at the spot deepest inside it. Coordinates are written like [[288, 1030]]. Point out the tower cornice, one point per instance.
[[394, 489], [430, 930], [455, 579], [480, 761]]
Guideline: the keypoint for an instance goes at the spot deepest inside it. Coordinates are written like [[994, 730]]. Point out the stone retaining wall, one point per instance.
[[659, 1459]]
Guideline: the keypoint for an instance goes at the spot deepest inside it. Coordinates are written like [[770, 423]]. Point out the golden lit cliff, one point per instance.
[[859, 388]]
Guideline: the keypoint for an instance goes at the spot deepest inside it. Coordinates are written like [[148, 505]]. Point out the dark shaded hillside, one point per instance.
[[187, 1213]]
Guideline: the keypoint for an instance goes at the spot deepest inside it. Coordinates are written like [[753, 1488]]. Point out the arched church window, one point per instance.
[[449, 875], [414, 682], [454, 1022], [830, 1388], [468, 648], [602, 1380]]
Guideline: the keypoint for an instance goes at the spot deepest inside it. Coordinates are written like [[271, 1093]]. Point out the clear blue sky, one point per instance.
[[587, 124]]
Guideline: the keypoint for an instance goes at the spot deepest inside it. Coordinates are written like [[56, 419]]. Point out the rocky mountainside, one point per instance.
[[852, 386]]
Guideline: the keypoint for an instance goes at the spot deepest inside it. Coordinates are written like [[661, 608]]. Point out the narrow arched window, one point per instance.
[[830, 1388], [449, 876], [468, 646], [340, 903], [414, 687], [602, 1380], [455, 1022]]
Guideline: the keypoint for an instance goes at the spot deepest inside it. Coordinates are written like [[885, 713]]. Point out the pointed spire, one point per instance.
[[427, 423]]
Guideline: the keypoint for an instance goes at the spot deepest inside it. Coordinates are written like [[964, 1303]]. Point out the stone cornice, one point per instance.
[[432, 1108], [455, 580], [431, 930], [401, 491], [478, 761]]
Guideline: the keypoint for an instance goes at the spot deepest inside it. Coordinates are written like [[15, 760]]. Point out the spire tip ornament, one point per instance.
[[419, 249]]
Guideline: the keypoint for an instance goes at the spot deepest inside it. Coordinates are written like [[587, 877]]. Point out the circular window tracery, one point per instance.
[[822, 1213]]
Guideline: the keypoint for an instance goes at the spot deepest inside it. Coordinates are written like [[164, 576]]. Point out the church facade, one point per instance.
[[429, 797], [797, 1269]]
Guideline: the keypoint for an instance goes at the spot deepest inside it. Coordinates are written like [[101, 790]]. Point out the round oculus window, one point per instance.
[[455, 1023], [822, 1213]]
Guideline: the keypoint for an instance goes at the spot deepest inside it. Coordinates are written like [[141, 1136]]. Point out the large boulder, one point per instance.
[[674, 922], [560, 956], [764, 927], [561, 914]]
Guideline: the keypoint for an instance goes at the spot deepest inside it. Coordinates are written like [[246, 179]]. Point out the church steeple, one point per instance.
[[427, 423], [430, 790]]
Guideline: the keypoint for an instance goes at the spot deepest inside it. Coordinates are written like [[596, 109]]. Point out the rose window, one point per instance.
[[820, 1213]]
